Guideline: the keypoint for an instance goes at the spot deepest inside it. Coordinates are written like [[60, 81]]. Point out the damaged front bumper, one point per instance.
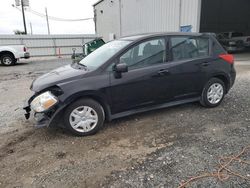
[[45, 106], [27, 109], [42, 120]]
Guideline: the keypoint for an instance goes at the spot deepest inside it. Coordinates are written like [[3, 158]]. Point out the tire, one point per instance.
[[215, 98], [7, 59], [84, 117]]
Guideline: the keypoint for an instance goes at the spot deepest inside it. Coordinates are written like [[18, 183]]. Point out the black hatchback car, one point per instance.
[[132, 75]]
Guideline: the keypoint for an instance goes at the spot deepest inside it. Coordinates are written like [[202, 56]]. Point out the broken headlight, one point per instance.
[[43, 102]]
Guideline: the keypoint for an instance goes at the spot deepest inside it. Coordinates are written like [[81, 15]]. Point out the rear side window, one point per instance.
[[189, 47], [217, 48]]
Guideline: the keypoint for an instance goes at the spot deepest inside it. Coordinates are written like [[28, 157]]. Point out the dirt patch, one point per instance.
[[8, 148]]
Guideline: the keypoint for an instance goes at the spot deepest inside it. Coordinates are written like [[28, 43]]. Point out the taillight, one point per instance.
[[24, 49], [228, 58]]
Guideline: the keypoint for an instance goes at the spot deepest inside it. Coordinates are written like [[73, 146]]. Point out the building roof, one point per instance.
[[99, 1]]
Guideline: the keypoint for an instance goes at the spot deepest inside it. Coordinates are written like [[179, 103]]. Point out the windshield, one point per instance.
[[104, 53]]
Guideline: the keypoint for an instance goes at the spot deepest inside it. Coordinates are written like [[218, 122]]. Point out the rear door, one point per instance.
[[190, 59]]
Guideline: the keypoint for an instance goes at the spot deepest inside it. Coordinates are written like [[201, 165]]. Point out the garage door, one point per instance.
[[225, 15]]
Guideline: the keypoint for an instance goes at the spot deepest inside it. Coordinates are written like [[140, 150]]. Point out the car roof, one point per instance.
[[149, 35]]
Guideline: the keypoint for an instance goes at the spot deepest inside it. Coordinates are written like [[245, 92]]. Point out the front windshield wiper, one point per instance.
[[79, 65], [82, 64]]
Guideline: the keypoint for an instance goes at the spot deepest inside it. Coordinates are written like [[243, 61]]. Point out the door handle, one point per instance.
[[205, 64], [163, 72]]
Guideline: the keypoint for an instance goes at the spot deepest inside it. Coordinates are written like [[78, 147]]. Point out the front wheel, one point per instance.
[[84, 117], [213, 93]]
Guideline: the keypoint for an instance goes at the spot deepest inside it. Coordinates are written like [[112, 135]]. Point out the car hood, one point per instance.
[[63, 74]]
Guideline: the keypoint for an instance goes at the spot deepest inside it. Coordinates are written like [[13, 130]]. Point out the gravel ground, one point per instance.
[[155, 149]]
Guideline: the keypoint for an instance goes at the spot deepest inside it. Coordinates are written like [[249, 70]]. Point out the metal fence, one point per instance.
[[48, 45]]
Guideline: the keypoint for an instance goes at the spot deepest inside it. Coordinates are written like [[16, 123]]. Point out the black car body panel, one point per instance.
[[158, 86], [61, 75]]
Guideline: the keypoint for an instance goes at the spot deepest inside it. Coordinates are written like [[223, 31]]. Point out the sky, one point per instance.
[[11, 17]]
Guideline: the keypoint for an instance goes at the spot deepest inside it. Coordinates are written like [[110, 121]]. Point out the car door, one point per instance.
[[146, 82], [190, 57]]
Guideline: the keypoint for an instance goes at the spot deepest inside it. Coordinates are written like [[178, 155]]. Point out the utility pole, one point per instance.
[[24, 22], [180, 14], [47, 19], [31, 30]]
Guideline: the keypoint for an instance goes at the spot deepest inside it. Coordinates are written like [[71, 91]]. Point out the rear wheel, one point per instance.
[[7, 59], [213, 93], [84, 117]]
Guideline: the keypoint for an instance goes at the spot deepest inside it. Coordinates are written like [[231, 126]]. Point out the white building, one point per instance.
[[116, 18]]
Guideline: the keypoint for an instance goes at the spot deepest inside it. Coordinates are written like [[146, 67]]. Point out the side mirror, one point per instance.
[[121, 68]]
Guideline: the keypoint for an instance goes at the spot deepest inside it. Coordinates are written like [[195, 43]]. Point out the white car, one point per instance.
[[9, 55], [237, 36]]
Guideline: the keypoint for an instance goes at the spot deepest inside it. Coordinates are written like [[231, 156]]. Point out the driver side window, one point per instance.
[[145, 54]]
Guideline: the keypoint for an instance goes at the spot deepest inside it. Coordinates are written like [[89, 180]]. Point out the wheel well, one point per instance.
[[95, 98], [57, 117], [7, 52], [224, 79]]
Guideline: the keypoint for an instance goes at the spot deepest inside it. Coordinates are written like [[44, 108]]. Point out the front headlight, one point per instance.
[[43, 102]]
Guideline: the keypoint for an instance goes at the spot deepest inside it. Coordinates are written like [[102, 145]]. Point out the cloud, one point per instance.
[[11, 18]]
